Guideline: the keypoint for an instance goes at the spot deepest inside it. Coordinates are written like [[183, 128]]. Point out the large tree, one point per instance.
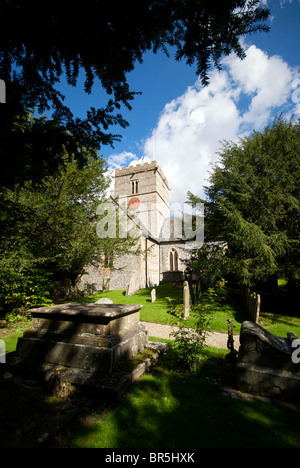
[[42, 41], [253, 203], [48, 228]]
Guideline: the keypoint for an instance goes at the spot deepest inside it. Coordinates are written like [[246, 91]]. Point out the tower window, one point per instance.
[[173, 260], [134, 186]]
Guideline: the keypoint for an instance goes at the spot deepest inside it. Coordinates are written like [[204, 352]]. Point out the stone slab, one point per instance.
[[85, 312]]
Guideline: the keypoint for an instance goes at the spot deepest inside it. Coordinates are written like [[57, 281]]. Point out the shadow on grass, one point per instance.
[[168, 410]]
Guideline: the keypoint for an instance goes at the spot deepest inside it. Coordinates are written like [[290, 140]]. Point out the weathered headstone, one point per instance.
[[133, 285], [2, 352], [104, 300], [186, 300], [2, 91], [153, 295]]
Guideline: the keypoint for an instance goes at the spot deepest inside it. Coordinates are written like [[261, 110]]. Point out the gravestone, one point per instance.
[[153, 295], [266, 364], [133, 285], [186, 300], [104, 300]]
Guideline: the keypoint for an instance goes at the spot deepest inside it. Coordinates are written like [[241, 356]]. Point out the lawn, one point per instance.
[[160, 310], [151, 312], [165, 409], [271, 316]]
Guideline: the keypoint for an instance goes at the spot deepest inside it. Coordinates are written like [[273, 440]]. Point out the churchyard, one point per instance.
[[165, 407]]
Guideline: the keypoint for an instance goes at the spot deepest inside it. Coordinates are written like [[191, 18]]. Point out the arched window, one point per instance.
[[173, 260]]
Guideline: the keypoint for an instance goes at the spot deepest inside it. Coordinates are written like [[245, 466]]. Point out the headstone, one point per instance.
[[2, 91], [186, 300], [133, 285], [2, 352], [153, 295], [104, 300]]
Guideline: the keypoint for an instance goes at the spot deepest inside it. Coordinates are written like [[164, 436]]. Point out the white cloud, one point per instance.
[[266, 80], [187, 135], [119, 160], [142, 160], [242, 97]]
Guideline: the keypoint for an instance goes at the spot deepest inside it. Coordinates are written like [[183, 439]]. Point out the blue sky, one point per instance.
[[180, 124]]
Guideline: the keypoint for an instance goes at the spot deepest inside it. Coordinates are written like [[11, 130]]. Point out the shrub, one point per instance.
[[189, 341], [22, 289]]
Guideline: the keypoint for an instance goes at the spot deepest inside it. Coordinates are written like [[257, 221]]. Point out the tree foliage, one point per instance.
[[253, 201], [48, 228], [42, 42]]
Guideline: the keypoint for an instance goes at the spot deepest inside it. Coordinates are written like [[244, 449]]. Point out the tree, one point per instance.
[[48, 229], [253, 201], [42, 42]]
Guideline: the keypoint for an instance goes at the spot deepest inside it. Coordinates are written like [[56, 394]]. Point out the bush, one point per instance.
[[22, 289], [188, 343]]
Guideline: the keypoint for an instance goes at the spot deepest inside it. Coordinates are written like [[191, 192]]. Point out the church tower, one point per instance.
[[144, 189]]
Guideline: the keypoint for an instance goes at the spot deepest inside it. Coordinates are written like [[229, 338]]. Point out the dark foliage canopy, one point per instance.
[[43, 41]]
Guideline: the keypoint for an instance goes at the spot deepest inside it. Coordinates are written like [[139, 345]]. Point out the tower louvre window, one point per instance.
[[134, 186]]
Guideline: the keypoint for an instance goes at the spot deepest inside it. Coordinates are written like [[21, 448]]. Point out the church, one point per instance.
[[142, 192]]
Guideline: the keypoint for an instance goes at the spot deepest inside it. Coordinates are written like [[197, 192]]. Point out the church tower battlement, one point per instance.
[[145, 190]]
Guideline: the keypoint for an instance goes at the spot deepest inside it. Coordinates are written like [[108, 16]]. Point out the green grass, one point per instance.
[[280, 313], [159, 311], [151, 312], [280, 324], [271, 316], [11, 334], [25, 414], [168, 410]]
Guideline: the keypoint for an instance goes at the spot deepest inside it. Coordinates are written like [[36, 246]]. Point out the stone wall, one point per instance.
[[103, 279]]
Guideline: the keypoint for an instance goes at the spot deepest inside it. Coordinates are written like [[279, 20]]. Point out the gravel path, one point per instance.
[[214, 339]]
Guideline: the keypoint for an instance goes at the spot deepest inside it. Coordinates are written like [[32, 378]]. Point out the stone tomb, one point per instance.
[[265, 364], [90, 337]]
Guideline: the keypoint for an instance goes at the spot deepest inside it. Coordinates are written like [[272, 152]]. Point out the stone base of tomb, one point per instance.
[[80, 345], [272, 383]]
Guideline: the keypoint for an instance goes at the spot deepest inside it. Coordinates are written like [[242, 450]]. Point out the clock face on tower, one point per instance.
[[134, 203]]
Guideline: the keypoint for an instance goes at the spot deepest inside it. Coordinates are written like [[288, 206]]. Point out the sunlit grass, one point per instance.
[[168, 410], [159, 311]]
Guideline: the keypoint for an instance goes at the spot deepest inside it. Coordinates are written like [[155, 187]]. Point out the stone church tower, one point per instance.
[[145, 191]]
